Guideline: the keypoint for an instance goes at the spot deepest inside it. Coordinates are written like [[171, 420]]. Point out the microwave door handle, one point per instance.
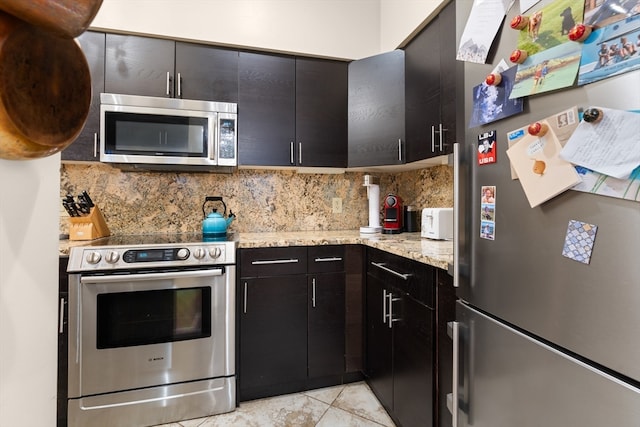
[[214, 142]]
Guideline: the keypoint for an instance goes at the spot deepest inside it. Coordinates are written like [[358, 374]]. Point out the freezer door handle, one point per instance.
[[455, 373], [456, 214]]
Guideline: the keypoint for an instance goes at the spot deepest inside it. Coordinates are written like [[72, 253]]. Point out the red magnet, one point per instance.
[[580, 32], [493, 79], [518, 56], [538, 129], [520, 22]]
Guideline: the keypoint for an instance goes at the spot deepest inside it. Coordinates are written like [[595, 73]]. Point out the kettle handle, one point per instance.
[[213, 199]]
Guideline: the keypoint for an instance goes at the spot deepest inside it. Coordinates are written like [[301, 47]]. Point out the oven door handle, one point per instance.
[[111, 278]]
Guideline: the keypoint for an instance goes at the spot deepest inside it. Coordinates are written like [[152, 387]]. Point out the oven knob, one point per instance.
[[94, 257], [182, 253], [215, 252], [112, 257], [199, 253]]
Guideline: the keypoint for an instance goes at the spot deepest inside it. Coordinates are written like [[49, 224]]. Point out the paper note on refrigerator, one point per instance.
[[610, 145], [543, 174]]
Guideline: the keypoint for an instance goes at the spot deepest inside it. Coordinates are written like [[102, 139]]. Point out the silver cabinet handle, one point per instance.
[[433, 139], [384, 306], [441, 132], [95, 144], [299, 153], [390, 318], [456, 215], [244, 309], [293, 160], [313, 292], [179, 95], [168, 84], [455, 374], [61, 321], [399, 149], [332, 259], [382, 266], [275, 261]]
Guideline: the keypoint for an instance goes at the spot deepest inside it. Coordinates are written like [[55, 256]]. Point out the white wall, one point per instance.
[[343, 29], [402, 18], [29, 215]]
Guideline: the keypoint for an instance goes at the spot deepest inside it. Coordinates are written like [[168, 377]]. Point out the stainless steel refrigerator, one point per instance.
[[542, 340]]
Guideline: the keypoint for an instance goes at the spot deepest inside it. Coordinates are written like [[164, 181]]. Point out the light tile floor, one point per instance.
[[350, 405]]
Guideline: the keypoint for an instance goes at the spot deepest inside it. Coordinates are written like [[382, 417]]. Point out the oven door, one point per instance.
[[142, 330]]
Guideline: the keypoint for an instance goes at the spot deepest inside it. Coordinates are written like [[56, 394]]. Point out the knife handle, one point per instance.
[[87, 199]]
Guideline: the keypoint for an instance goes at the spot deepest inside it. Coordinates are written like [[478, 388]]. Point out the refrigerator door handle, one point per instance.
[[455, 373], [456, 215]]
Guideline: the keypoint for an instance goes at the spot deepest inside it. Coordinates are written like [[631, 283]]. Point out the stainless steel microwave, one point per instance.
[[144, 132]]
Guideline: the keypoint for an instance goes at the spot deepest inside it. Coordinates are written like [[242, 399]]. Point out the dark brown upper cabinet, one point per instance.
[[292, 111], [137, 65], [377, 110], [433, 83], [86, 145]]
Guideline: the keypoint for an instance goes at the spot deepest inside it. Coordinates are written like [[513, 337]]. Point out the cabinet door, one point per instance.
[[63, 341], [423, 93], [266, 110], [451, 78], [139, 65], [321, 113], [376, 110], [273, 332], [379, 358], [326, 341], [445, 312], [85, 147], [413, 365], [207, 73]]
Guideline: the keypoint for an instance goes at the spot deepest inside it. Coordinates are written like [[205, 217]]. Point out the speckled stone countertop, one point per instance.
[[409, 245]]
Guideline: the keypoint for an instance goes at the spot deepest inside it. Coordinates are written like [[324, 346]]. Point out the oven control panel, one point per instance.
[[185, 255]]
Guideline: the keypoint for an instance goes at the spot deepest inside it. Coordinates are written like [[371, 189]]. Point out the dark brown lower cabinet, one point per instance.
[[63, 340], [325, 314], [273, 338], [400, 316], [292, 311], [445, 313]]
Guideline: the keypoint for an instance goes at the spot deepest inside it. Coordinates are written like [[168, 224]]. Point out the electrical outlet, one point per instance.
[[337, 204]]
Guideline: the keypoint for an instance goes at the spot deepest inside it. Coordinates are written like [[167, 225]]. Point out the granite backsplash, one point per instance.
[[263, 200]]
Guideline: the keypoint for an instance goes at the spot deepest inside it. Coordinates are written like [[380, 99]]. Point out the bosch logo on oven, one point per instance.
[[155, 359]]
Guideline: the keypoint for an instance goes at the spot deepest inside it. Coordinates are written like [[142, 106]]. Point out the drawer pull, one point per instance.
[[382, 266], [332, 259], [274, 261]]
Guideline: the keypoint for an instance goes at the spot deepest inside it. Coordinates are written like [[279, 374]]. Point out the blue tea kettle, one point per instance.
[[214, 224]]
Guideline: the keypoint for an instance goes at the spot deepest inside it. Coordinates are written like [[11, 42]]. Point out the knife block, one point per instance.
[[92, 226]]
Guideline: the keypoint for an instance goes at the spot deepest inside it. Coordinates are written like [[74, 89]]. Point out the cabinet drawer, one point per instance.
[[261, 262], [407, 276], [325, 259]]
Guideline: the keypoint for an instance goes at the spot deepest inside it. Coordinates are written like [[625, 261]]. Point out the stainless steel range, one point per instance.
[[151, 330]]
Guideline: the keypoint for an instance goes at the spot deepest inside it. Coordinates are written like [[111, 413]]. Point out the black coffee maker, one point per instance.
[[393, 213]]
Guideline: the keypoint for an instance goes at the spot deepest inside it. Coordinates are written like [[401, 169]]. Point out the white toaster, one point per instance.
[[437, 223]]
